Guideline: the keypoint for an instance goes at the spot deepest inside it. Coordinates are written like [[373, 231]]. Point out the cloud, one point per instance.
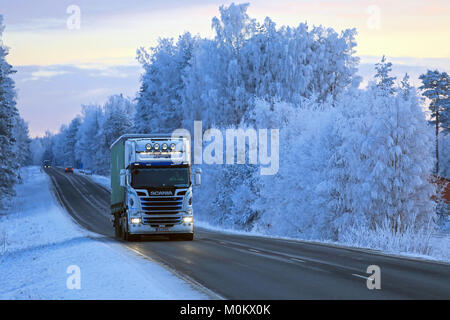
[[401, 65], [42, 74], [49, 96]]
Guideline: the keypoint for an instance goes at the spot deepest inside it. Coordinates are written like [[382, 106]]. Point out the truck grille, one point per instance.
[[165, 221], [161, 205]]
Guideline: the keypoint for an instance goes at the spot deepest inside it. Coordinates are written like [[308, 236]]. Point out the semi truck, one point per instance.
[[151, 186], [46, 164]]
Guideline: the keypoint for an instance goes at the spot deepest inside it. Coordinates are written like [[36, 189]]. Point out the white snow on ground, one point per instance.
[[101, 180], [438, 244], [39, 241]]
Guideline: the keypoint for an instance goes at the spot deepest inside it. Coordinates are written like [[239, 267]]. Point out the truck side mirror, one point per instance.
[[123, 174], [198, 177]]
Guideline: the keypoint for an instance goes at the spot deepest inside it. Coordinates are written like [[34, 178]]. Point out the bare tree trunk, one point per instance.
[[437, 140]]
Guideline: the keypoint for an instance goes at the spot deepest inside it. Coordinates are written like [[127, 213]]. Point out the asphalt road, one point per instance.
[[247, 267]]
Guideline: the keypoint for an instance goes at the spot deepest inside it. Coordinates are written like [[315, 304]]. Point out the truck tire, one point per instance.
[[117, 228], [126, 236]]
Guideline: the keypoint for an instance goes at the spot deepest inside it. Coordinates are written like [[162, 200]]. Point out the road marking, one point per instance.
[[360, 276], [253, 250], [81, 194], [299, 260]]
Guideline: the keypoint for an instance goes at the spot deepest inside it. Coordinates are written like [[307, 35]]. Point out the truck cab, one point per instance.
[[151, 186], [46, 164]]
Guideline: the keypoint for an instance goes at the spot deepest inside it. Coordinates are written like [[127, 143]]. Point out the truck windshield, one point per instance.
[[159, 177]]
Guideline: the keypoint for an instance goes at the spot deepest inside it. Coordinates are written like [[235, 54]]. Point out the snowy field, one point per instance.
[[41, 249]]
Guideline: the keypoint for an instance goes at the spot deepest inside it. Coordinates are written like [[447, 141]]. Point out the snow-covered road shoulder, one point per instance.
[[42, 250]]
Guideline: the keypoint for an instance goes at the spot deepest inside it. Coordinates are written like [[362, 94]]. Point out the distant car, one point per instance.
[[68, 170], [46, 164]]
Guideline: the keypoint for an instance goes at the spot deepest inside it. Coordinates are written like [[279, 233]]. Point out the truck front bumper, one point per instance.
[[141, 228]]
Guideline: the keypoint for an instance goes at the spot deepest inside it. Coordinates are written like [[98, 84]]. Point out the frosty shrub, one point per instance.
[[383, 237]]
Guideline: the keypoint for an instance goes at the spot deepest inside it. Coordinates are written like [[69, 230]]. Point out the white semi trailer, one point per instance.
[[151, 188]]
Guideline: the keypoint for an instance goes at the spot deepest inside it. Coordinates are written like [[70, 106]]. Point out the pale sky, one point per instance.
[[60, 68]]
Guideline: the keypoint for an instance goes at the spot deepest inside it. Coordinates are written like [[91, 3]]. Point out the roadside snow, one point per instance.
[[39, 242], [101, 180]]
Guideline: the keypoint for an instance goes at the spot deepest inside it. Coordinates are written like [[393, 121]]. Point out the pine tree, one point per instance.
[[384, 81], [22, 147], [8, 115], [436, 86]]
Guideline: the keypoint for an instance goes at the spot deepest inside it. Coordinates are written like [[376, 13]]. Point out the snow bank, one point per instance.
[[101, 180], [39, 242]]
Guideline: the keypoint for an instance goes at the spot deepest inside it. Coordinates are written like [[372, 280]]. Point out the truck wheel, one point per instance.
[[124, 228], [117, 228], [126, 236]]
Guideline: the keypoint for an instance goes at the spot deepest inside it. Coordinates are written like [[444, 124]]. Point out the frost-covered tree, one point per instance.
[[118, 114], [393, 162], [8, 116], [54, 150], [217, 80], [69, 143], [290, 63], [22, 146], [382, 76], [87, 144], [159, 100], [436, 87]]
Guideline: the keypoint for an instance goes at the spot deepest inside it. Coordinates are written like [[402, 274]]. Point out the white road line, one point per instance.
[[298, 260], [81, 194], [253, 250], [360, 276]]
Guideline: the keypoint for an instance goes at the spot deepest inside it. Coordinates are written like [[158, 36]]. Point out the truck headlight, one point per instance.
[[188, 219], [136, 220]]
